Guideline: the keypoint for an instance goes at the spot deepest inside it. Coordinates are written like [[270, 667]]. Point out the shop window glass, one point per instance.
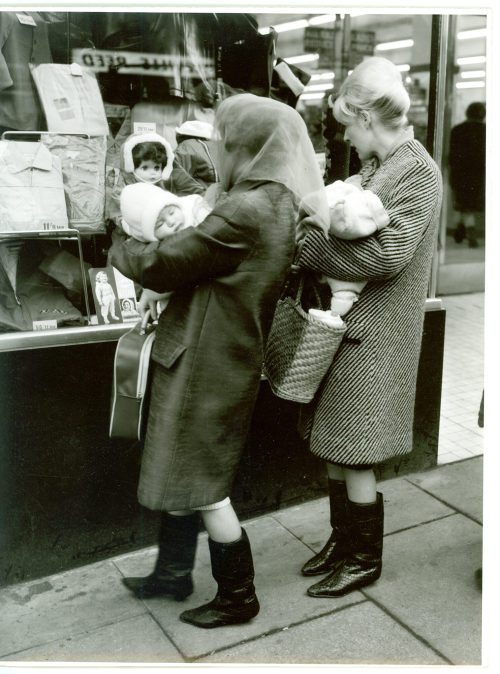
[[462, 232], [73, 87]]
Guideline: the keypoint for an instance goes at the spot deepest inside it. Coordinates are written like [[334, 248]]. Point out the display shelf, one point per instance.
[[42, 339]]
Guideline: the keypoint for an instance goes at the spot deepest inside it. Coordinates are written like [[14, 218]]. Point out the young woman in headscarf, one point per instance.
[[363, 413], [226, 276]]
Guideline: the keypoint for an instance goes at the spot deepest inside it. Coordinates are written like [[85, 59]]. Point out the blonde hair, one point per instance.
[[375, 85]]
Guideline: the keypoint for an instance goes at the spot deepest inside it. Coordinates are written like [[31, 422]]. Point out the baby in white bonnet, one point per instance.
[[150, 213]]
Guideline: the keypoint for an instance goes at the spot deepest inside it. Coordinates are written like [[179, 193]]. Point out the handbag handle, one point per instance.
[[300, 288]]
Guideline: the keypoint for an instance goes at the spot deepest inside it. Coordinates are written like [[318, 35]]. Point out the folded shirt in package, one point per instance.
[[31, 188], [71, 98]]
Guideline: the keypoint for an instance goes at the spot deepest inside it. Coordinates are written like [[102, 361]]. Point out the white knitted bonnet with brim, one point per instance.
[[149, 137], [140, 205]]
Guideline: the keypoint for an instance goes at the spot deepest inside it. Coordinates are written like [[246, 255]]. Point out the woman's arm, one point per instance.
[[214, 248], [413, 205]]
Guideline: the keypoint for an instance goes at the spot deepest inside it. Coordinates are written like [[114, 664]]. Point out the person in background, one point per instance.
[[467, 161], [362, 414], [194, 167], [226, 276]]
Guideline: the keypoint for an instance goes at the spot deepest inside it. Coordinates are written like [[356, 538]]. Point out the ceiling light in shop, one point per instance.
[[303, 58], [285, 27], [323, 76], [303, 23], [290, 25], [319, 87], [470, 85], [470, 60], [471, 34], [398, 44], [470, 74], [313, 96], [404, 67], [322, 18]]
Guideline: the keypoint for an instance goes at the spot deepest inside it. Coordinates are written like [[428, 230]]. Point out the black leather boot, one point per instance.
[[335, 549], [363, 564], [172, 572], [235, 601]]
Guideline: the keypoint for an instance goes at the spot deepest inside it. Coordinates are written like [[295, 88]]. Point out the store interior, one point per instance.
[[406, 40]]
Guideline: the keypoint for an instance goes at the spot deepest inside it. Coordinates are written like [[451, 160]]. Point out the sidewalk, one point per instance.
[[424, 610]]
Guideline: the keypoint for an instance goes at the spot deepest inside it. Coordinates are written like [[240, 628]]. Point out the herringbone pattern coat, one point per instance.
[[364, 410]]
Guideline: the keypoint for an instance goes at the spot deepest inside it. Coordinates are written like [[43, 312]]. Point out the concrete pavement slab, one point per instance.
[[137, 640], [405, 506], [360, 634], [60, 606], [428, 585], [280, 588], [458, 484]]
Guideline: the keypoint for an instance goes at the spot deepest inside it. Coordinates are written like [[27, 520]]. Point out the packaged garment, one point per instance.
[[24, 40], [31, 188], [29, 298], [120, 126], [83, 164], [71, 99]]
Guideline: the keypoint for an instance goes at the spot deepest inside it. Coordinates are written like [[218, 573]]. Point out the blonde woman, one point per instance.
[[363, 413]]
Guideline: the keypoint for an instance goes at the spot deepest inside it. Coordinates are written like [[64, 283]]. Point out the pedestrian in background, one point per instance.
[[467, 162]]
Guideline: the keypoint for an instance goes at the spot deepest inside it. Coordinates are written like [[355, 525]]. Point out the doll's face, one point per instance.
[[148, 170], [102, 277], [170, 220]]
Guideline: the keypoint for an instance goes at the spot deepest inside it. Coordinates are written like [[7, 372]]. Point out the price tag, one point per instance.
[[45, 325], [76, 70], [144, 127], [26, 20]]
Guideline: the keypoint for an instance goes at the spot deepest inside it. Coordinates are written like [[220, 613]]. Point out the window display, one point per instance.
[[74, 86]]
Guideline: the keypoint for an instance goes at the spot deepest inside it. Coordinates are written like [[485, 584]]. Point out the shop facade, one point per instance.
[[75, 85]]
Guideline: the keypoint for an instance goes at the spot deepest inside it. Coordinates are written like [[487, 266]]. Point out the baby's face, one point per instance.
[[170, 220], [149, 171]]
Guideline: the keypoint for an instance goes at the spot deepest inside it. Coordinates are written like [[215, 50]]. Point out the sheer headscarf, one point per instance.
[[263, 139]]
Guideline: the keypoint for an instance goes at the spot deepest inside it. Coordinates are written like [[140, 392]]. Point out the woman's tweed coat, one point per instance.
[[364, 409], [227, 274]]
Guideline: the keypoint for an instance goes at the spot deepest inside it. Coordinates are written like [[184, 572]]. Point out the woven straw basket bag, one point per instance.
[[299, 350]]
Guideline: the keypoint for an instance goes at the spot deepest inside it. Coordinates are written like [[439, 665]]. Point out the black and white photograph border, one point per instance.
[[434, 604]]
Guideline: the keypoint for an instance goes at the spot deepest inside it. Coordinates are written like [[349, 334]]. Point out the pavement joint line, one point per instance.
[[449, 505], [406, 627], [73, 635], [419, 524], [306, 545], [166, 634], [277, 630]]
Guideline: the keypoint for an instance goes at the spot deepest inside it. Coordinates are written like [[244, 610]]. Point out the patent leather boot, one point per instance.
[[235, 601], [335, 549], [172, 572], [363, 564]]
